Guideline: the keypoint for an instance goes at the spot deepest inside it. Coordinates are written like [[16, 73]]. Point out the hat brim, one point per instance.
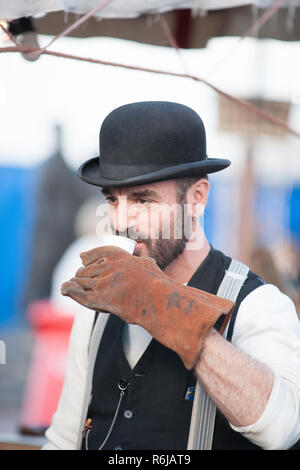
[[90, 172]]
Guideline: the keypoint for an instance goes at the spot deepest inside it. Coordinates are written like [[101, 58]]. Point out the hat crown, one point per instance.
[[152, 132], [147, 142]]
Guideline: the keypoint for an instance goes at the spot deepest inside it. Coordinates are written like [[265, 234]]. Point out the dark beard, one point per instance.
[[166, 251]]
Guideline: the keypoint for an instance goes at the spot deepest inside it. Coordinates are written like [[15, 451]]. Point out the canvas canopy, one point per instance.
[[114, 9]]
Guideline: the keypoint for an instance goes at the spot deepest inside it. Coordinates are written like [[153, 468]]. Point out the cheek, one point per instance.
[[112, 213], [149, 223], [161, 223]]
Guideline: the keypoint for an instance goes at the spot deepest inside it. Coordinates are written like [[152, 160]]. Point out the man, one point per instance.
[[167, 328]]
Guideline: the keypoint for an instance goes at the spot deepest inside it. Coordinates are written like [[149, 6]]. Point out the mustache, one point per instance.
[[132, 235]]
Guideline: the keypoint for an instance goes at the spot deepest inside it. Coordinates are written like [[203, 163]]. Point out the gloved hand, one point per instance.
[[136, 290]]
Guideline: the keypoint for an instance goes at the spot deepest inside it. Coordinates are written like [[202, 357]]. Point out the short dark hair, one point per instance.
[[183, 184]]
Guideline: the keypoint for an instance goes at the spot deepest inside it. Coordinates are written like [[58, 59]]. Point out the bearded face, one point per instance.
[[154, 216]]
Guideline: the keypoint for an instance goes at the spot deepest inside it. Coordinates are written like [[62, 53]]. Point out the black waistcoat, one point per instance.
[[155, 412]]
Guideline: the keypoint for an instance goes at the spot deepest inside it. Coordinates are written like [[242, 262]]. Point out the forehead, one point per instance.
[[163, 189]]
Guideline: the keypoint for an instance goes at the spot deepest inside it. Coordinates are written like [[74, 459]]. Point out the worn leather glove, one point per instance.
[[137, 291]]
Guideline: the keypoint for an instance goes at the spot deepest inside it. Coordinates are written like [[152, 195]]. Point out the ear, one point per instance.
[[197, 196]]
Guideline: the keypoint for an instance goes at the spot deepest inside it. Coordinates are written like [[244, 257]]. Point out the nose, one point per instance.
[[122, 218]]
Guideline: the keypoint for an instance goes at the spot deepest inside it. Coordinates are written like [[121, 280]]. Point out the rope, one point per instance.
[[254, 29], [77, 23], [250, 107], [172, 41]]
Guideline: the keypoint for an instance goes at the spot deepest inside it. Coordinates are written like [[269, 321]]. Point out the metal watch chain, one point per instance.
[[122, 385]]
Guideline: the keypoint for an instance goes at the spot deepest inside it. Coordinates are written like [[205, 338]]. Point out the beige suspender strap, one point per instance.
[[204, 409]]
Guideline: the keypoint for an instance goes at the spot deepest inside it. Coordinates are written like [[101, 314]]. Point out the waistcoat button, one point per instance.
[[128, 414]]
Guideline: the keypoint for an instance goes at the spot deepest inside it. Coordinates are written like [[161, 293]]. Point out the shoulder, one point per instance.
[[268, 299], [221, 264], [251, 283], [266, 312], [259, 303], [267, 293]]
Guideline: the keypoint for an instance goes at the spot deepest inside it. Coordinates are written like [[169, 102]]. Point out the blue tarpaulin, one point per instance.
[[17, 214]]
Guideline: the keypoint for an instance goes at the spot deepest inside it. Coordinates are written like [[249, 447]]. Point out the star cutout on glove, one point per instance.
[[174, 299]]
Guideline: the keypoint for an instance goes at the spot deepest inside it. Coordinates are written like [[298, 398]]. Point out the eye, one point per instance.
[[143, 201], [111, 199]]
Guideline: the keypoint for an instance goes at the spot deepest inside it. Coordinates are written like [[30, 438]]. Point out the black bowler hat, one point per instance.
[[150, 141]]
